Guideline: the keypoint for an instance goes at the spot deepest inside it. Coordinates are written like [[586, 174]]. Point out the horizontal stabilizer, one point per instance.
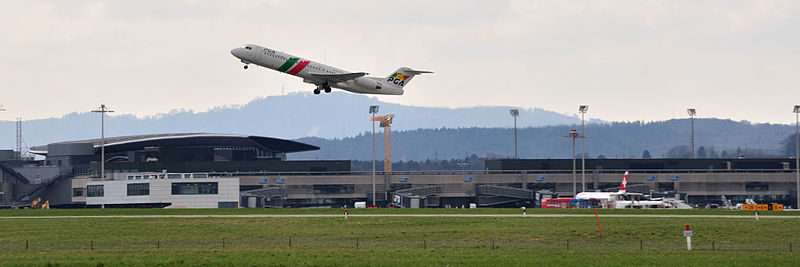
[[337, 78], [416, 72]]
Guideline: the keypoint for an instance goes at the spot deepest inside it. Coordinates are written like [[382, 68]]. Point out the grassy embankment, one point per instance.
[[392, 240]]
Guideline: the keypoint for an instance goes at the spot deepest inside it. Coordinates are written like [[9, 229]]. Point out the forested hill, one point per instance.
[[337, 123], [713, 138], [288, 116]]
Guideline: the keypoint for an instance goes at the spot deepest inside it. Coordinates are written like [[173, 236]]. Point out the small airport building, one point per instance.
[[158, 190], [202, 170]]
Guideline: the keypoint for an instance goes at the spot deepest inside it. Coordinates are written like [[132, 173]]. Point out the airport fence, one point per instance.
[[422, 244]]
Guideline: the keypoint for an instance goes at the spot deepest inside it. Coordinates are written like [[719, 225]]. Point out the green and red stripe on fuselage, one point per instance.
[[285, 67]]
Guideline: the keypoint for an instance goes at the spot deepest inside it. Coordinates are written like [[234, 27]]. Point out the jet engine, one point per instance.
[[369, 83]]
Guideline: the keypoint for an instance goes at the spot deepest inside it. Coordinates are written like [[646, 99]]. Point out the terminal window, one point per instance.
[[210, 188], [334, 188], [94, 190], [139, 189], [666, 186], [77, 192], [756, 186]]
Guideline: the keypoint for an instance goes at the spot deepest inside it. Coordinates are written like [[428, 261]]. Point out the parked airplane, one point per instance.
[[607, 195], [323, 76], [622, 199]]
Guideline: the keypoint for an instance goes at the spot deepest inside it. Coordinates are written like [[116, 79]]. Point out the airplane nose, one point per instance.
[[236, 52]]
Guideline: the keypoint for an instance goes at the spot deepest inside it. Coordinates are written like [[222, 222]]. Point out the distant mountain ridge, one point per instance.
[[339, 124], [335, 115]]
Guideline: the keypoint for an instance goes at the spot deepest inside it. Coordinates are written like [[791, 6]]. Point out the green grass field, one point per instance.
[[393, 240]]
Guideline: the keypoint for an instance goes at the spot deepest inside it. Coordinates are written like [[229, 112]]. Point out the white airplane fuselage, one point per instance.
[[324, 76], [599, 195], [646, 204], [619, 199], [610, 196]]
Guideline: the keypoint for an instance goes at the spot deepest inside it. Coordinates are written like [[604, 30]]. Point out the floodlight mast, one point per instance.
[[797, 151], [102, 110], [692, 112], [515, 114], [573, 134], [373, 110], [583, 109]]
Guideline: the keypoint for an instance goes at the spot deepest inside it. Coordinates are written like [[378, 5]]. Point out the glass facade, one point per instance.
[[209, 188], [334, 189], [94, 190], [139, 189], [756, 186]]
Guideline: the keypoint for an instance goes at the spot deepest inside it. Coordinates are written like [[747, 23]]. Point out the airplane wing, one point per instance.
[[337, 78]]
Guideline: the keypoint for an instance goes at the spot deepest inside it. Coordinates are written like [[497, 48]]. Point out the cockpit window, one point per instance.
[[248, 47]]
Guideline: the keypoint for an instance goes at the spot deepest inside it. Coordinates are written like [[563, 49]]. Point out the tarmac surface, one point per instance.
[[400, 215]]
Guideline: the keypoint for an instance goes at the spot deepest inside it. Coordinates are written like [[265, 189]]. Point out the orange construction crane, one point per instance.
[[386, 123]]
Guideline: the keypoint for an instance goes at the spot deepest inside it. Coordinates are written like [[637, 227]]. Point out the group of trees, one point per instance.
[[683, 151], [789, 145], [669, 139], [787, 149], [472, 162]]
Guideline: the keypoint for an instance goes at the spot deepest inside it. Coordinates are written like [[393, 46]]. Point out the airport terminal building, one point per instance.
[[69, 174], [201, 170]]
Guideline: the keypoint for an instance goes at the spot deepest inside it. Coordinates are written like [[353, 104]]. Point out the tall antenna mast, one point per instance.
[[18, 155]]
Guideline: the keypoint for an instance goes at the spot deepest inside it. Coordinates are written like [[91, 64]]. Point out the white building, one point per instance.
[[176, 190]]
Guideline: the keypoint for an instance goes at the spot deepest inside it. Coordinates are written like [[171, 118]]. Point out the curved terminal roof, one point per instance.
[[136, 142]]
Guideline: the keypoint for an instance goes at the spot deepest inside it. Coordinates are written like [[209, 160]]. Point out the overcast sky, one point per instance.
[[628, 60]]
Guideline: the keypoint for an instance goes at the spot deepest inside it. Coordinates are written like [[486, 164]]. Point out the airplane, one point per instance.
[[607, 195], [622, 199], [323, 76]]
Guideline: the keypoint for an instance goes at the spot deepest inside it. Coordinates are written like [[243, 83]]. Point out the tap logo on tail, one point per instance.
[[398, 78]]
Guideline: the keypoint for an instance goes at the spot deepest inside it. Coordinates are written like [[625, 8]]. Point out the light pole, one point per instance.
[[583, 109], [373, 110], [463, 165], [797, 151], [515, 114], [692, 112], [102, 110], [573, 134]]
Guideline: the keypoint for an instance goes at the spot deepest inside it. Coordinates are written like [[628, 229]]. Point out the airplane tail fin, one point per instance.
[[624, 185], [402, 76]]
